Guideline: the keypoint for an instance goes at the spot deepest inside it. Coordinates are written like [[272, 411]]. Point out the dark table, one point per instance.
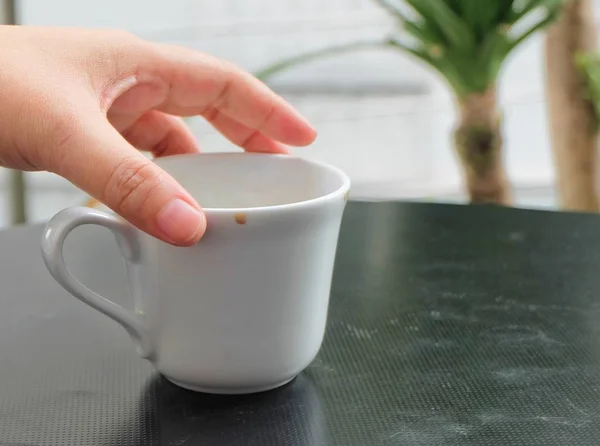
[[448, 325]]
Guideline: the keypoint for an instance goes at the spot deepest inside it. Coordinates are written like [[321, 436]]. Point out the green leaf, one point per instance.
[[426, 35], [443, 66], [472, 12], [530, 5], [538, 26], [301, 59], [589, 66], [505, 11], [454, 28]]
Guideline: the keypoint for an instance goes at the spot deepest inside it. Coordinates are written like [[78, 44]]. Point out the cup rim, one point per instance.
[[342, 190]]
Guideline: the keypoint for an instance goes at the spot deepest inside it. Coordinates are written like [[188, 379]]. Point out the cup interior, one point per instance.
[[248, 180]]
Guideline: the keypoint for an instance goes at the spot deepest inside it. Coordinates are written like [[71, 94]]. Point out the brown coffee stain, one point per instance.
[[346, 195], [240, 218]]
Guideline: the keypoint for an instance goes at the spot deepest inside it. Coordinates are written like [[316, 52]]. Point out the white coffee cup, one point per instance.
[[245, 309]]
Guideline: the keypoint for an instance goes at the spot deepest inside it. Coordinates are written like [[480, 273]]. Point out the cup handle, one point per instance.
[[57, 230]]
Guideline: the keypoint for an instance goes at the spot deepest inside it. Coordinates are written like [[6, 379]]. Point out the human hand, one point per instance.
[[81, 103]]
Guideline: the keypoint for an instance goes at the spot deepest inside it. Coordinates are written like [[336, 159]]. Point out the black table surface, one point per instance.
[[448, 325]]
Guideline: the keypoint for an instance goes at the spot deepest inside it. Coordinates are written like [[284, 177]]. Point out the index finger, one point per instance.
[[198, 84]]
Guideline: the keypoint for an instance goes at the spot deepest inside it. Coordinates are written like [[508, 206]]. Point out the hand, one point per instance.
[[81, 103]]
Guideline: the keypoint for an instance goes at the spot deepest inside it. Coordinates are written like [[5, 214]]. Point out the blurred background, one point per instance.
[[382, 117]]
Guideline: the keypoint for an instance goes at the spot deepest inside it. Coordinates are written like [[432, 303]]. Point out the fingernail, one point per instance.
[[180, 222]]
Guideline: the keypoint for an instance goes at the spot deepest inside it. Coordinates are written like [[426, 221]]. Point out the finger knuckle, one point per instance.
[[131, 184], [223, 99], [119, 51]]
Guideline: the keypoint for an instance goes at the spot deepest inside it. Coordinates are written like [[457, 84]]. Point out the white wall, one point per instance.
[[392, 144]]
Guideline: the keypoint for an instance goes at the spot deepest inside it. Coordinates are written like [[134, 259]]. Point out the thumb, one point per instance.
[[97, 159]]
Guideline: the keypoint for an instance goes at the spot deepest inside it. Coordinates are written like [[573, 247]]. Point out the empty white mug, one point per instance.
[[245, 309]]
